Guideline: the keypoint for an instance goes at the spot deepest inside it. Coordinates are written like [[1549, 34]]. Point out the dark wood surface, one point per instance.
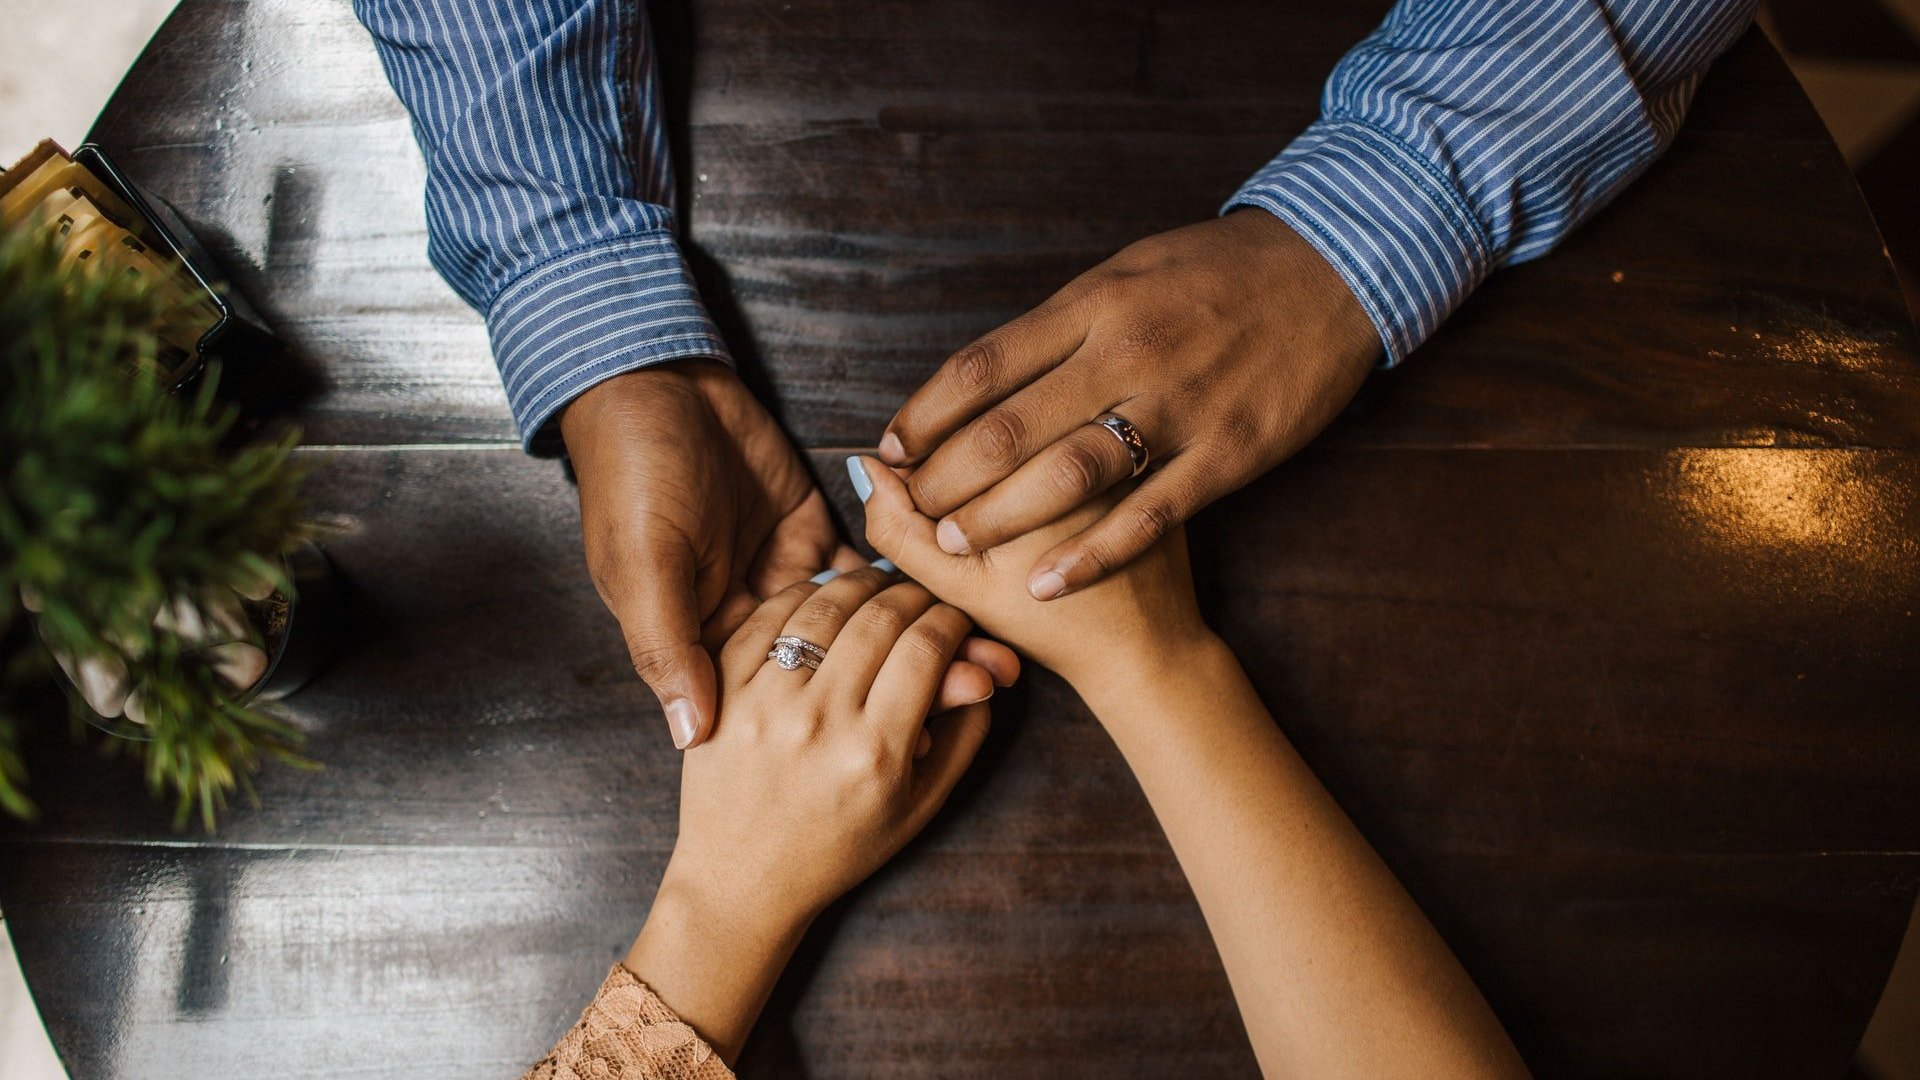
[[1599, 616]]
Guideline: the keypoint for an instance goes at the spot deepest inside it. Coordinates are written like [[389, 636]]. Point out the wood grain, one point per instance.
[[868, 188], [1640, 803]]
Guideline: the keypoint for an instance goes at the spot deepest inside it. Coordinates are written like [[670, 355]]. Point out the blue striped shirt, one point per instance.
[[1460, 136]]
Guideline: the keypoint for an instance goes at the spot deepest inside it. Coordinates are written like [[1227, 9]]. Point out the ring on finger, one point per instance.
[[1129, 437], [793, 653], [810, 629]]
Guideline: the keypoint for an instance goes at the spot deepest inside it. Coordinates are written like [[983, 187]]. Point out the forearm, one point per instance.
[[1335, 970], [549, 187], [711, 968], [1462, 137]]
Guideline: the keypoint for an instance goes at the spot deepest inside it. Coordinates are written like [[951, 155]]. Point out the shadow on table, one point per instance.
[[202, 988]]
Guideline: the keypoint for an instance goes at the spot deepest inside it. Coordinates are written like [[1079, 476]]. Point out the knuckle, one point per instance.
[[652, 657], [1078, 469], [927, 489], [819, 613], [1153, 520], [883, 618], [1103, 286], [889, 614], [1140, 529], [869, 759], [977, 367], [1099, 556], [999, 437], [925, 645]]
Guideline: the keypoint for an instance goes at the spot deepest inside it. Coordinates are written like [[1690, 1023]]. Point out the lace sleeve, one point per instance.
[[629, 1034]]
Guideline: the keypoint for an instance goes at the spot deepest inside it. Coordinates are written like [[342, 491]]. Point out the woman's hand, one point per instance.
[[1133, 622], [1226, 344], [1334, 970], [810, 780]]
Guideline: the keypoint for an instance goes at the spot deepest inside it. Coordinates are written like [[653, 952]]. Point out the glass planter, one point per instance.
[[300, 634]]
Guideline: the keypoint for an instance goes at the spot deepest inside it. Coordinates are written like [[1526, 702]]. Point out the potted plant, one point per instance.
[[150, 557]]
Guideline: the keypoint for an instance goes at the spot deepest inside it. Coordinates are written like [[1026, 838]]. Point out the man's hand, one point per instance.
[[694, 506], [1228, 344]]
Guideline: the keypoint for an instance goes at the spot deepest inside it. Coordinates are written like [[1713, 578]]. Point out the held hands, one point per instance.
[[811, 780], [1228, 345], [693, 506], [1128, 625]]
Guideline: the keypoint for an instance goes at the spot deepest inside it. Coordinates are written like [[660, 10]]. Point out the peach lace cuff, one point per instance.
[[630, 1034]]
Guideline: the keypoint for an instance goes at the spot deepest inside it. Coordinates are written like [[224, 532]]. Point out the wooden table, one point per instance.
[[1599, 616]]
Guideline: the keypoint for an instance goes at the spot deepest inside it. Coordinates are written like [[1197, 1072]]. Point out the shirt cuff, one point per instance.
[[589, 315], [1392, 225]]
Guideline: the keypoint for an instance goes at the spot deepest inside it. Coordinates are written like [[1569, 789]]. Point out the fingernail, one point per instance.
[[952, 540], [824, 576], [856, 472], [885, 566], [682, 721], [891, 451], [1047, 586]]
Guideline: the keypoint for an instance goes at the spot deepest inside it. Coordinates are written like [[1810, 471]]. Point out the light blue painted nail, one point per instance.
[[862, 486], [824, 576], [885, 566]]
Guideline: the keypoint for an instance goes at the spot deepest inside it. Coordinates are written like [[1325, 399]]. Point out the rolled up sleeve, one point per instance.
[[549, 188]]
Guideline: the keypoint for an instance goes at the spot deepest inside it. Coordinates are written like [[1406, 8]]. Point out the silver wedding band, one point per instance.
[[793, 653], [1129, 437]]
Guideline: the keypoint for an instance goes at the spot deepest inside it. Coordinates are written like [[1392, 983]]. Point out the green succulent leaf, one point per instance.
[[116, 493]]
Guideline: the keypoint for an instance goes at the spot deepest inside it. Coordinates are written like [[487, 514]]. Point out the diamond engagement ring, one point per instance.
[[793, 653], [1129, 437]]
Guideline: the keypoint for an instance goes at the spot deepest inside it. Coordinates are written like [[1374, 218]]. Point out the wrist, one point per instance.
[[717, 909], [1169, 670], [630, 390], [712, 959], [1338, 322]]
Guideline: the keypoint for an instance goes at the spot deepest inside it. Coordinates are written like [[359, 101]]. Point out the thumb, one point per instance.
[[897, 529], [660, 616]]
